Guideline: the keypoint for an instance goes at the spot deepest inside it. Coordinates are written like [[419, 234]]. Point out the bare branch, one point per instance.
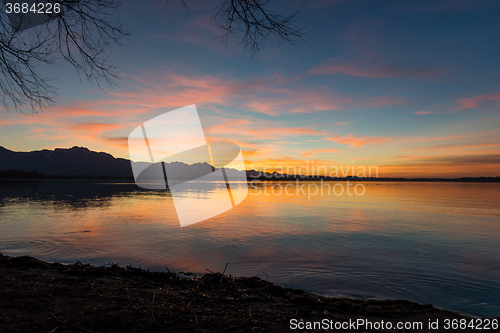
[[250, 22], [83, 36]]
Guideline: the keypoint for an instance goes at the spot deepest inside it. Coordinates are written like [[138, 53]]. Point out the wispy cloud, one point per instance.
[[455, 137], [319, 151], [258, 129], [461, 147], [273, 96], [92, 129], [370, 68], [116, 141], [365, 55], [357, 142], [446, 166], [474, 102]]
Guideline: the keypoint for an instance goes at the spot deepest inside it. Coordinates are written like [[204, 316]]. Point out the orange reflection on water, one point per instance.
[[439, 240]]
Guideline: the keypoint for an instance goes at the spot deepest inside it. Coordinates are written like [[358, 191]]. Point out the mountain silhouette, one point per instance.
[[66, 162], [80, 161]]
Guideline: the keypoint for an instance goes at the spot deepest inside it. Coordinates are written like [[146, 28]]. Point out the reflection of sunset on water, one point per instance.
[[442, 239]]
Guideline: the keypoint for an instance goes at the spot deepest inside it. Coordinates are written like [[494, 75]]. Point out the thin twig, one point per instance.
[[152, 306], [198, 325], [235, 326], [218, 289], [50, 313]]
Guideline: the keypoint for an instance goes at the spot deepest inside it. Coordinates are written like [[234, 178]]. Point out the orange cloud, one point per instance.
[[258, 130], [460, 147], [93, 130], [357, 142], [268, 96], [450, 166], [6, 122], [320, 151], [119, 142], [287, 101], [273, 132], [229, 126]]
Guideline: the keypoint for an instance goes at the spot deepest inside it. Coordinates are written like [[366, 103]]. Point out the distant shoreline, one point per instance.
[[30, 176], [357, 180], [81, 163]]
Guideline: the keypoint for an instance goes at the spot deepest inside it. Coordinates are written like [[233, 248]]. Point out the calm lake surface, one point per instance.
[[433, 243]]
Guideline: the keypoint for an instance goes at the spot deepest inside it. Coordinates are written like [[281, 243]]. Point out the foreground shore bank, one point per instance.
[[49, 297]]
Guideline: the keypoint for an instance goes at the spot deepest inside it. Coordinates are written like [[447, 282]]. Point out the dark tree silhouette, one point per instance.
[[252, 23], [84, 32], [82, 36]]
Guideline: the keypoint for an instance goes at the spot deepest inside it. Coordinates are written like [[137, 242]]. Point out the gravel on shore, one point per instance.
[[38, 296]]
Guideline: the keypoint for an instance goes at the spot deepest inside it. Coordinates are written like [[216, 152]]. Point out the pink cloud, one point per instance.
[[474, 102], [92, 122], [6, 122], [275, 96], [365, 55], [258, 130], [423, 112], [93, 129]]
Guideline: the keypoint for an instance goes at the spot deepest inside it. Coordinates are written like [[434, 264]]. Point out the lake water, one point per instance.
[[433, 243]]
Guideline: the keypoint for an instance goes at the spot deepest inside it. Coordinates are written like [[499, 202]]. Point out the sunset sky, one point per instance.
[[411, 87]]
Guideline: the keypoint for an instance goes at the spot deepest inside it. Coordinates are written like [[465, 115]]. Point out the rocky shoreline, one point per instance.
[[37, 296]]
